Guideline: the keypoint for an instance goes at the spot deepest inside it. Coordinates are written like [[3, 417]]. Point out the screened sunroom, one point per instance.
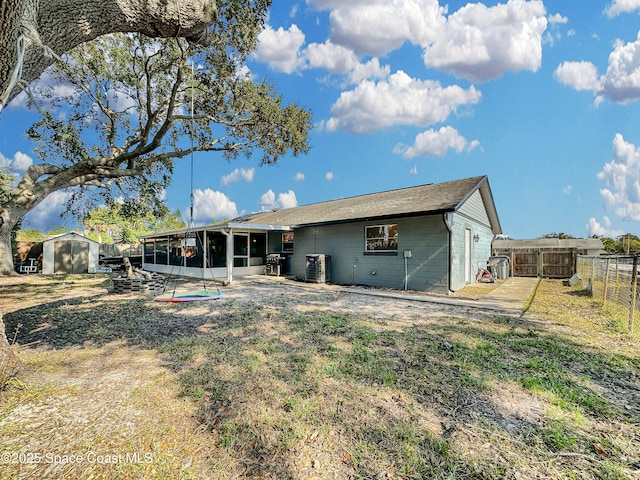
[[219, 251]]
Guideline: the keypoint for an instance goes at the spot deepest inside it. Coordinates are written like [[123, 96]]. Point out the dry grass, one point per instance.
[[274, 381], [475, 291]]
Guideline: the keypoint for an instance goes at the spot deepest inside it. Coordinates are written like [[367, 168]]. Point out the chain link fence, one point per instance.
[[613, 281]]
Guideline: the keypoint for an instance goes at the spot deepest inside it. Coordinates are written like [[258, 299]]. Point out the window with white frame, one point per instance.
[[381, 238]]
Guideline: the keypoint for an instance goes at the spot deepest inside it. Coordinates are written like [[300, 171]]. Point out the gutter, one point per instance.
[[447, 219]]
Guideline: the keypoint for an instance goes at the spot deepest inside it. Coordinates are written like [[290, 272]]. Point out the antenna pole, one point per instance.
[[191, 169]]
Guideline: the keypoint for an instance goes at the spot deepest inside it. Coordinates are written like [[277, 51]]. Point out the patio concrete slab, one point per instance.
[[510, 297]]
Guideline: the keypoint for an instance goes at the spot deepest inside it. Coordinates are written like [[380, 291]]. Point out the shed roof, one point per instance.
[[580, 243], [69, 236], [411, 201]]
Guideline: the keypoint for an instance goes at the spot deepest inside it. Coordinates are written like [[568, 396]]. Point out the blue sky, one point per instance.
[[540, 96]]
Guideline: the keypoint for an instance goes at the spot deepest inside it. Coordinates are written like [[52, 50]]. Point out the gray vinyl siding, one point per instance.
[[474, 208], [480, 251], [427, 237]]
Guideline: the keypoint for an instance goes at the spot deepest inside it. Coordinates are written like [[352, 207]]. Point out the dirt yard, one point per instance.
[[290, 381]]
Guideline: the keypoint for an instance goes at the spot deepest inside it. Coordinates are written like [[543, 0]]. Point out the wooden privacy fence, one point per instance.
[[120, 249], [613, 280], [547, 263]]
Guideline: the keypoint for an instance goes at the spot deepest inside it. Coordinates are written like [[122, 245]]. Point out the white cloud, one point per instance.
[[370, 70], [19, 163], [280, 48], [334, 58], [48, 213], [621, 81], [414, 170], [579, 75], [399, 100], [476, 42], [46, 81], [328, 176], [436, 143], [282, 51], [567, 190], [621, 177], [378, 27], [481, 43], [268, 201], [556, 18], [602, 229], [618, 7], [285, 200], [299, 177], [238, 174], [210, 205]]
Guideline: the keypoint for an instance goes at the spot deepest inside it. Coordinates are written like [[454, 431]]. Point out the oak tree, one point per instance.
[[137, 104], [34, 32]]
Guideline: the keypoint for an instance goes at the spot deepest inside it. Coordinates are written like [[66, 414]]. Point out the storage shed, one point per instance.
[[546, 257], [69, 253]]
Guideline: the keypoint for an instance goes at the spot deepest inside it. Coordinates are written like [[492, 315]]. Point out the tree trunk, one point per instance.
[[6, 255], [60, 25], [9, 363], [9, 216]]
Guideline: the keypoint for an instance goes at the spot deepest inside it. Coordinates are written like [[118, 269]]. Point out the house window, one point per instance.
[[287, 242], [381, 238]]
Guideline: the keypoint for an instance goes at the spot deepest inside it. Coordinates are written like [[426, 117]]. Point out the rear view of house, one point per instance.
[[429, 237]]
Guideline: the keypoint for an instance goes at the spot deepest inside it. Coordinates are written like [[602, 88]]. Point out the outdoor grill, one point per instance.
[[276, 264]]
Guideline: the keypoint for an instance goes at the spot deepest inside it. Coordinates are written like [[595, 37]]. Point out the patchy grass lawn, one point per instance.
[[277, 381]]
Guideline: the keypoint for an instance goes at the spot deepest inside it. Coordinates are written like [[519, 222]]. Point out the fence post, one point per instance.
[[606, 284], [634, 277], [617, 287]]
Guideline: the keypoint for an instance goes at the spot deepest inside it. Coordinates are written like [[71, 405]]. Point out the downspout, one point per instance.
[[447, 218], [229, 261]]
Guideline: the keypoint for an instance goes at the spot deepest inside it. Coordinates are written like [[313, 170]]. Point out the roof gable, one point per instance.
[[411, 201], [69, 236]]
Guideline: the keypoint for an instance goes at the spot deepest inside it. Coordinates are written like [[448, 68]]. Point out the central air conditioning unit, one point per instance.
[[318, 268]]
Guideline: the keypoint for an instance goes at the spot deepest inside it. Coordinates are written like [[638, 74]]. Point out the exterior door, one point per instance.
[[71, 256], [467, 255], [241, 250]]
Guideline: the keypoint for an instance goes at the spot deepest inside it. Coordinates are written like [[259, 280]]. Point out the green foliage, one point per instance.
[[623, 244], [58, 230], [560, 235], [137, 104], [6, 183], [126, 221], [30, 235]]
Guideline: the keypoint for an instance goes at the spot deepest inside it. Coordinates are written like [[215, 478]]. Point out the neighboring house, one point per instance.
[[69, 253], [546, 257], [430, 237]]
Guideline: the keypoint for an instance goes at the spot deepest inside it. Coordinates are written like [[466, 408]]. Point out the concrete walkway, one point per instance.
[[512, 294], [510, 297]]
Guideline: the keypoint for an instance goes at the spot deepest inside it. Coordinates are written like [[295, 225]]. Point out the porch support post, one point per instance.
[[229, 262]]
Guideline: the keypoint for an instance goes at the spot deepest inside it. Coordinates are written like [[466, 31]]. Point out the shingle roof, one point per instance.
[[411, 201], [582, 243]]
